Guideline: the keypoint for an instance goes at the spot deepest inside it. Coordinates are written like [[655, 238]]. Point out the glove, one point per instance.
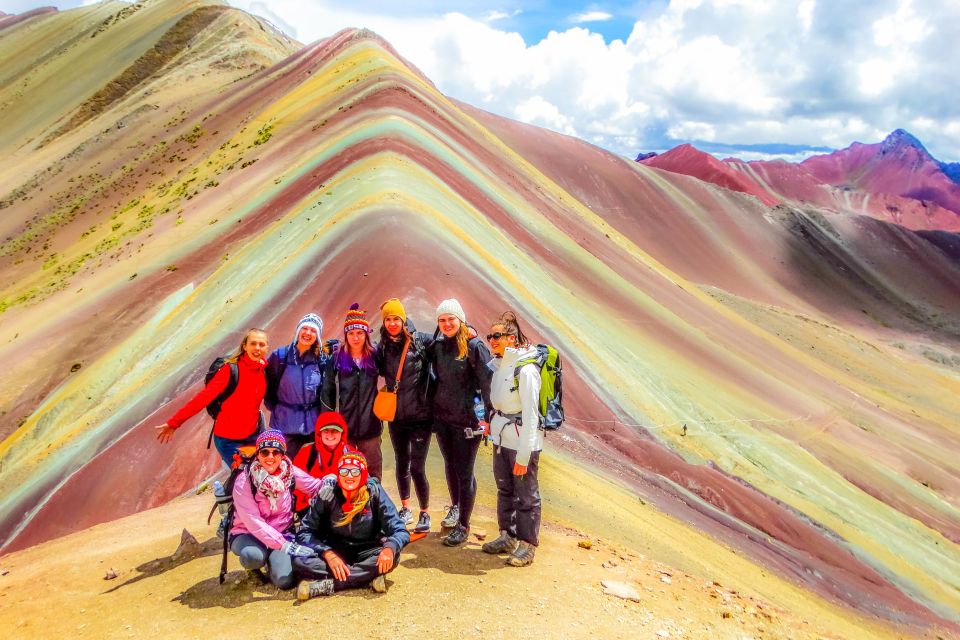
[[297, 550], [326, 489]]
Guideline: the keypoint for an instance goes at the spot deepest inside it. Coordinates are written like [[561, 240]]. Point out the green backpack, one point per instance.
[[548, 361]]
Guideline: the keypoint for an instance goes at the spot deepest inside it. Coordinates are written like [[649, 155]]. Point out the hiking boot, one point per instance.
[[457, 537], [523, 555], [506, 543], [406, 516], [379, 584], [452, 518], [423, 524], [313, 588]]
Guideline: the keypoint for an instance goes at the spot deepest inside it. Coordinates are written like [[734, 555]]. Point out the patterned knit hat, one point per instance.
[[310, 320], [452, 307], [272, 439], [356, 319], [354, 460], [393, 307]]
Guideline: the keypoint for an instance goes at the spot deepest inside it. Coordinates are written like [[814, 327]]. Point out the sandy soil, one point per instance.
[[687, 587]]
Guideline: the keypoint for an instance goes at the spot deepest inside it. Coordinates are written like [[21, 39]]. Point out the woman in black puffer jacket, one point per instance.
[[460, 365], [410, 430], [350, 385]]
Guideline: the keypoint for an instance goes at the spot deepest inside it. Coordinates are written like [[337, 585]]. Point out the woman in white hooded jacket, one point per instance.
[[515, 431]]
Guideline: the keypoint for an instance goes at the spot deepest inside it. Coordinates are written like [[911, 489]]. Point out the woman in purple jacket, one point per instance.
[[262, 532], [294, 379]]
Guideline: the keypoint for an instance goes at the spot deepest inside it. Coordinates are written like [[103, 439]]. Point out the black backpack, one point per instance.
[[217, 403], [241, 465], [213, 409]]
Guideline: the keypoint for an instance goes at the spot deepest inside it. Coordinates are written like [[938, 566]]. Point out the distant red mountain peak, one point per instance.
[[895, 180], [689, 160]]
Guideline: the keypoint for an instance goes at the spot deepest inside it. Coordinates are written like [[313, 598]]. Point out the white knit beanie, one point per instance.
[[452, 307], [310, 320]]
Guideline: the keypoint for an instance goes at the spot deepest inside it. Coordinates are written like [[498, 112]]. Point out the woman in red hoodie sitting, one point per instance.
[[322, 457], [238, 422]]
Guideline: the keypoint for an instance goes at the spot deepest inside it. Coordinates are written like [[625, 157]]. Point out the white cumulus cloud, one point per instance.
[[590, 16], [811, 72]]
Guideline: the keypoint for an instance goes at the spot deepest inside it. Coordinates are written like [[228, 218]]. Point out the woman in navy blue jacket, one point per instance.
[[355, 532], [294, 380]]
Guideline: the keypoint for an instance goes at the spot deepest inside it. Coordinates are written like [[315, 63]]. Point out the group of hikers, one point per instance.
[[306, 496]]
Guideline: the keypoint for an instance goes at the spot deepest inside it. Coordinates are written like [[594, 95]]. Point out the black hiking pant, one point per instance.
[[411, 442], [362, 565], [518, 497], [370, 448], [296, 441], [459, 455]]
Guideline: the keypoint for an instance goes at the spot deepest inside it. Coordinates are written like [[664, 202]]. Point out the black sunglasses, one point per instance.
[[497, 335]]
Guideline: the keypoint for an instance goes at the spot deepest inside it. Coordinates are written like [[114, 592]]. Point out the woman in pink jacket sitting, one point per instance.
[[262, 532]]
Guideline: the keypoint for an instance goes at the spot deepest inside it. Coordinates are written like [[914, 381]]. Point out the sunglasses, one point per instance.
[[269, 453], [497, 335], [349, 471]]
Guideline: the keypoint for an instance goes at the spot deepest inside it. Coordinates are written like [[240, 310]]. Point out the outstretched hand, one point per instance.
[[337, 566], [385, 560], [164, 433]]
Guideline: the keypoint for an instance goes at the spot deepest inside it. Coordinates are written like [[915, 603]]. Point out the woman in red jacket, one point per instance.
[[322, 457], [238, 422]]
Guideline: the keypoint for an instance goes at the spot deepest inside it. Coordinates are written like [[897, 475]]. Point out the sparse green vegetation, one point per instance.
[[263, 134], [195, 134]]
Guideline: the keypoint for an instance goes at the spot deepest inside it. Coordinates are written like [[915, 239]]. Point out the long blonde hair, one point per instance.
[[243, 343], [463, 337], [359, 502]]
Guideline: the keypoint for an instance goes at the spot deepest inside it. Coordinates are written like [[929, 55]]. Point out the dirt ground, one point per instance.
[[58, 589]]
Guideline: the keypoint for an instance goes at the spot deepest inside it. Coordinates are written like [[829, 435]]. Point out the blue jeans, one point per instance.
[[227, 447], [254, 554]]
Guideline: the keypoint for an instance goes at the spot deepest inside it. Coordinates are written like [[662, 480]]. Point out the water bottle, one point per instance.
[[221, 497], [479, 409]]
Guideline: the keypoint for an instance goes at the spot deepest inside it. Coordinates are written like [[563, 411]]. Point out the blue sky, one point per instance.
[[651, 74]]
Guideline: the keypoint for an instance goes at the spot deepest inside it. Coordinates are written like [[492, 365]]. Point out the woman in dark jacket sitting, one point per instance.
[[356, 533], [350, 385], [410, 429]]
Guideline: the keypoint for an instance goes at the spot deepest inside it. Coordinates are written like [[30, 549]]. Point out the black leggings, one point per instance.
[[459, 456], [410, 445]]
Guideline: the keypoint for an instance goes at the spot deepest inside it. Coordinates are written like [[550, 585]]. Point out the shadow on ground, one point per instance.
[[158, 566]]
